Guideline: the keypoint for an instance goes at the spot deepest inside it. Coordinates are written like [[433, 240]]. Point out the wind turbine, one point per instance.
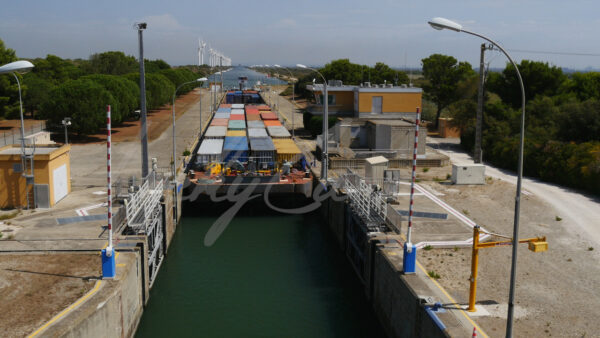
[[201, 46]]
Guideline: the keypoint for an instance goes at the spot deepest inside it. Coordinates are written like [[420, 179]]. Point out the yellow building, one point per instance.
[[52, 173], [368, 101]]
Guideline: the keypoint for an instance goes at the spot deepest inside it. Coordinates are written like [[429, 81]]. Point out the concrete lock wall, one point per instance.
[[114, 311], [396, 304]]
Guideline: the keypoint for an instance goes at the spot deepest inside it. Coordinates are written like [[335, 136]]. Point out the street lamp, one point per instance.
[[21, 67], [174, 145], [293, 99], [141, 26], [66, 122], [202, 79], [325, 121], [439, 24]]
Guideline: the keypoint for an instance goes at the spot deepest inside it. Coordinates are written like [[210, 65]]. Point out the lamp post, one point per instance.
[[439, 24], [325, 121], [21, 67], [202, 79], [144, 132], [293, 100], [66, 122], [174, 144]]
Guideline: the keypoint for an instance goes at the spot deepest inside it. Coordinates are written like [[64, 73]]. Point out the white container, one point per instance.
[[278, 132], [257, 132], [237, 106], [215, 132], [468, 173], [237, 111], [210, 151]]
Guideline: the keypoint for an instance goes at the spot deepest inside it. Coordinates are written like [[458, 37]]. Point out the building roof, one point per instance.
[[377, 160], [388, 122], [211, 147], [350, 88]]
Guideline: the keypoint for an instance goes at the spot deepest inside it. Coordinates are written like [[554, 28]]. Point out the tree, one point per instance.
[[443, 73], [579, 121], [159, 90], [125, 92], [9, 90], [538, 77], [55, 69], [38, 92], [584, 86], [84, 101], [114, 62], [383, 73], [154, 66], [342, 69]]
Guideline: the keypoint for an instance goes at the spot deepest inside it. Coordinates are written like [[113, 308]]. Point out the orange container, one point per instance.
[[225, 105], [236, 117], [253, 117], [219, 122], [272, 123], [268, 116]]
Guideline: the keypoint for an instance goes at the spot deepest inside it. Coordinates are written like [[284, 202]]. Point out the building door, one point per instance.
[[60, 183], [376, 104]]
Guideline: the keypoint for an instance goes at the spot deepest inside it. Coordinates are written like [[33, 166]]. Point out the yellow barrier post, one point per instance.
[[474, 264]]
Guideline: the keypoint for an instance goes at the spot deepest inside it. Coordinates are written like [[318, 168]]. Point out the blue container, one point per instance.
[[235, 148]]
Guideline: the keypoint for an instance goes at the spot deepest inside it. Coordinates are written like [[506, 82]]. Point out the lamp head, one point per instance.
[[21, 66], [441, 23], [278, 66], [202, 79], [299, 65], [141, 25]]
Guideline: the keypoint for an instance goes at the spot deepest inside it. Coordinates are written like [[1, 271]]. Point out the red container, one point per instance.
[[263, 107], [253, 117], [225, 105], [268, 116], [236, 117], [252, 111]]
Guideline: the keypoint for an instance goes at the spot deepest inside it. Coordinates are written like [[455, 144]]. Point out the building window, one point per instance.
[[331, 100]]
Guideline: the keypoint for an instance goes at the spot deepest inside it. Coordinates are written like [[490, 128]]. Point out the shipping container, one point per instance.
[[235, 148], [235, 111], [210, 151], [263, 107], [272, 123], [268, 116], [252, 112], [237, 125], [257, 132], [235, 133], [262, 150], [225, 105], [237, 105], [287, 150], [253, 117], [219, 122], [255, 124], [236, 117], [224, 110], [222, 115], [215, 132], [279, 132]]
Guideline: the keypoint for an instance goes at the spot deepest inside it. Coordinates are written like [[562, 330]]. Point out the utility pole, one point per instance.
[[144, 131], [478, 154]]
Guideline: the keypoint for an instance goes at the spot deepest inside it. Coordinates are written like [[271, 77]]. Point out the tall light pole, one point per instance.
[[439, 24], [141, 26], [202, 79], [173, 170], [325, 122], [22, 67], [293, 100]]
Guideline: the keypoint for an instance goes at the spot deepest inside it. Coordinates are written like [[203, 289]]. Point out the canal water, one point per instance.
[[265, 276], [230, 78]]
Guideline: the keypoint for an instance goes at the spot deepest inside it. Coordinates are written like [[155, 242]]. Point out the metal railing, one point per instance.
[[13, 136]]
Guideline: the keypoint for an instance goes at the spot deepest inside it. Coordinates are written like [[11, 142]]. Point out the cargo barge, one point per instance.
[[244, 147]]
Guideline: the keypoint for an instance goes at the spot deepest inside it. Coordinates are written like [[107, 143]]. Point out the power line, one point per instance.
[[554, 53]]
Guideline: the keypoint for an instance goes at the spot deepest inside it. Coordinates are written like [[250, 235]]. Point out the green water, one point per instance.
[[269, 276]]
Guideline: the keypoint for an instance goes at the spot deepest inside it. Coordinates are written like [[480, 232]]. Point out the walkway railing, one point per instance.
[[13, 136]]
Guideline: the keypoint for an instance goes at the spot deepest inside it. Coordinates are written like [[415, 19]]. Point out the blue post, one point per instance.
[[108, 264], [410, 258]]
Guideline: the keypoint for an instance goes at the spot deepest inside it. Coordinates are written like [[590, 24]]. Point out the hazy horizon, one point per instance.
[[311, 32]]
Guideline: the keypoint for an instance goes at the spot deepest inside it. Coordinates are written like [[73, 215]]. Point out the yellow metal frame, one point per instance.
[[537, 244]]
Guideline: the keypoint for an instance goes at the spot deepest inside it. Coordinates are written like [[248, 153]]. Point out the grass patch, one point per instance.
[[433, 274], [427, 247], [557, 218], [186, 152], [591, 248], [465, 211], [9, 216], [425, 170], [448, 176]]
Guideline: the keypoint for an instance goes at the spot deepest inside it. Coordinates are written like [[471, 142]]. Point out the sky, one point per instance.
[[311, 32]]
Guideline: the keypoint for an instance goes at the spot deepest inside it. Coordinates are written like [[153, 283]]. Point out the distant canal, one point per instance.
[[230, 78], [266, 276]]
